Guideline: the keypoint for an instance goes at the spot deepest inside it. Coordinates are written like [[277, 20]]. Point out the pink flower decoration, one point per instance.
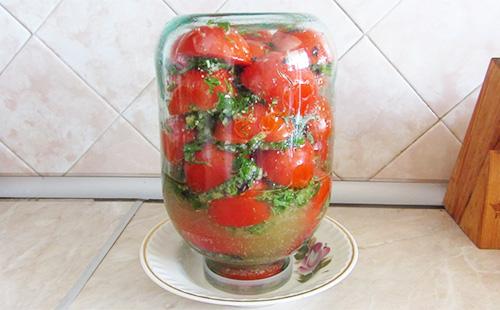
[[313, 258]]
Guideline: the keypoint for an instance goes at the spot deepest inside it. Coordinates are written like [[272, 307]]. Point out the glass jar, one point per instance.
[[246, 127]]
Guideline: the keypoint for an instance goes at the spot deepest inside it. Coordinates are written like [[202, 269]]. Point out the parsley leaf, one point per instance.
[[325, 69], [283, 198], [222, 24], [212, 82]]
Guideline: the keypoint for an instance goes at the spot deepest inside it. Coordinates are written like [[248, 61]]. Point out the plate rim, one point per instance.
[[249, 302]]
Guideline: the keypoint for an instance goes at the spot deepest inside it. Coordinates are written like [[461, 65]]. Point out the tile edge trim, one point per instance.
[[145, 188]]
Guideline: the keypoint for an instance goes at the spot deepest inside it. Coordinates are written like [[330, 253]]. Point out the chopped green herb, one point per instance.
[[224, 25], [256, 229], [283, 198], [212, 82], [247, 172], [182, 191], [325, 69]]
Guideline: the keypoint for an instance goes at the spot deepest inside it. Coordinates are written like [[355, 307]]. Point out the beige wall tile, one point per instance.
[[191, 7], [343, 31], [47, 244], [458, 118], [367, 13], [52, 117], [442, 47], [378, 114], [10, 164], [431, 157], [109, 43], [30, 13], [120, 151], [143, 114], [12, 36]]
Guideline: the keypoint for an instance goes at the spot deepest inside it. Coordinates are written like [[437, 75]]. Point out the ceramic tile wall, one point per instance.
[[77, 91]]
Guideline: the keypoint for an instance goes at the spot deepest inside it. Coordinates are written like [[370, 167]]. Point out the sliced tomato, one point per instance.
[[312, 42], [240, 211], [291, 167], [211, 167], [249, 273], [198, 90], [212, 41], [175, 137], [321, 126], [273, 79], [242, 128]]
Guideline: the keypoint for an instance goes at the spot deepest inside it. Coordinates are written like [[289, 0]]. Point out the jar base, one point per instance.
[[239, 285]]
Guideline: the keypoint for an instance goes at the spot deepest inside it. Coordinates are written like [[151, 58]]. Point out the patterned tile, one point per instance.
[[431, 157], [378, 114], [53, 116], [12, 36], [109, 43], [30, 13], [120, 151], [367, 13], [342, 29], [190, 7], [47, 244], [143, 114], [442, 47], [458, 118], [10, 164]]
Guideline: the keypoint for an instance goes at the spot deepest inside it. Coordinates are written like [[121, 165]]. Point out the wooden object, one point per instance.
[[481, 218], [476, 167]]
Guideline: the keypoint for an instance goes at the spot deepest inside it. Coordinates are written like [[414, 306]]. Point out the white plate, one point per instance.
[[171, 264]]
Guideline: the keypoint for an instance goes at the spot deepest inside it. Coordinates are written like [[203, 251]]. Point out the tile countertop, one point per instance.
[[409, 258]]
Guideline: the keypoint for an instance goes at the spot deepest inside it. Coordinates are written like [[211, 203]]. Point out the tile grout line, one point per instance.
[[116, 110], [97, 260], [371, 178], [222, 5], [15, 18], [169, 6], [19, 157]]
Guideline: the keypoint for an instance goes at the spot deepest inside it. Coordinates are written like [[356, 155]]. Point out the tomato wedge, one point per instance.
[[198, 90], [211, 167], [174, 138], [271, 78], [240, 211], [212, 41], [291, 167], [310, 41]]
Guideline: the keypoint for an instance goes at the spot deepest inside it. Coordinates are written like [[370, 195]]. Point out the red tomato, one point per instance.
[[318, 201], [240, 211], [175, 137], [246, 126], [311, 41], [242, 128], [276, 128], [258, 43], [260, 272], [320, 127], [212, 167], [215, 42], [321, 150], [291, 167], [198, 89], [273, 79]]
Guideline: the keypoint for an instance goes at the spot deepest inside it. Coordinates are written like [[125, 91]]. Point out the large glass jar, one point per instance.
[[246, 128]]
